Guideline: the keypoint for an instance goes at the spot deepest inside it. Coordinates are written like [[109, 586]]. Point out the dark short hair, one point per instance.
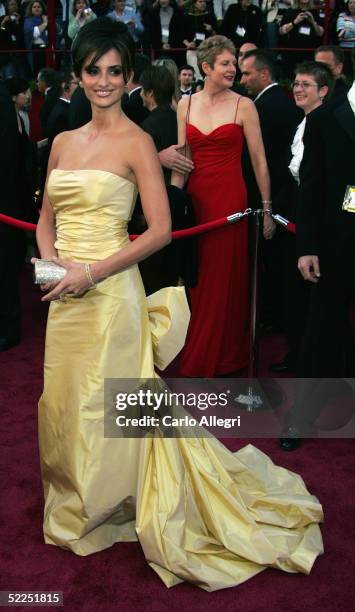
[[321, 73], [16, 85], [49, 76], [98, 37], [160, 81], [66, 79], [186, 67], [262, 61], [337, 52], [140, 63]]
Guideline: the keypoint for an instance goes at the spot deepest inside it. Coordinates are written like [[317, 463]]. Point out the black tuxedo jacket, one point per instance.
[[79, 110], [327, 168], [58, 120], [134, 109], [161, 124], [49, 103], [279, 118]]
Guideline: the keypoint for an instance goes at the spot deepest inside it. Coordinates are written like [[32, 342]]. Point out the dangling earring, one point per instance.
[[80, 84]]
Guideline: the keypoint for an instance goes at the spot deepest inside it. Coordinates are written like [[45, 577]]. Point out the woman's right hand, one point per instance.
[[269, 227], [45, 286], [45, 19]]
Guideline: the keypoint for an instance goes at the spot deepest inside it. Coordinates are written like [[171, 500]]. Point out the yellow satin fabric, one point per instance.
[[201, 513]]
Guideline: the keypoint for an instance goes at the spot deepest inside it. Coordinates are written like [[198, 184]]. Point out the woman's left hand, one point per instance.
[[75, 282], [269, 227]]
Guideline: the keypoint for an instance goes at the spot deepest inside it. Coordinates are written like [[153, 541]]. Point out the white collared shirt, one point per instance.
[[135, 89], [264, 90], [351, 97]]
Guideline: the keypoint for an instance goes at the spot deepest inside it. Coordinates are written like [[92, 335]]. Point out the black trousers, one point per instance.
[[327, 352], [12, 252]]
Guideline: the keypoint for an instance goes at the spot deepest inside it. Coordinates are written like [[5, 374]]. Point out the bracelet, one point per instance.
[[266, 201], [92, 284]]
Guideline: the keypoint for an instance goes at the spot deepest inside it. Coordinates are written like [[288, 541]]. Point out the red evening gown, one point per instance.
[[217, 340]]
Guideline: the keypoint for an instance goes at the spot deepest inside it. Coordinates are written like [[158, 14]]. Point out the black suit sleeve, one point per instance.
[[312, 195]]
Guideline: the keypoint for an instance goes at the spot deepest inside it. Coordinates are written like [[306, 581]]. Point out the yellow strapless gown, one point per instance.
[[200, 512]]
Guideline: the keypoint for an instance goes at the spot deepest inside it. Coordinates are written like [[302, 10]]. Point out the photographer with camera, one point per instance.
[[200, 23], [11, 38], [81, 14], [301, 28]]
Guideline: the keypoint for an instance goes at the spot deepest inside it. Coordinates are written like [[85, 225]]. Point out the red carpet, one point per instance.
[[119, 578]]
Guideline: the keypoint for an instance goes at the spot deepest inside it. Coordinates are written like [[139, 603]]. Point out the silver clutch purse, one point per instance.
[[46, 271]]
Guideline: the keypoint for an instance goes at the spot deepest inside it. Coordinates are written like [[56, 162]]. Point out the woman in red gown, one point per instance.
[[213, 124]]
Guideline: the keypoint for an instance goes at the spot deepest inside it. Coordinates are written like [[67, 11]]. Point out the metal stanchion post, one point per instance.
[[256, 398], [251, 400]]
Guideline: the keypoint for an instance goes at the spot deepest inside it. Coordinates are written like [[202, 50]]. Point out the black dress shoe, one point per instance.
[[290, 439], [282, 368], [7, 343]]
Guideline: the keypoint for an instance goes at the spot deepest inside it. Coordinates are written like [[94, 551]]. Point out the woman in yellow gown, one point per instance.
[[200, 512]]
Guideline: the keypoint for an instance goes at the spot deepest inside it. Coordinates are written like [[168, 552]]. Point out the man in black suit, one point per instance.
[[178, 259], [279, 118], [11, 239], [48, 84], [326, 249], [59, 118], [333, 56], [132, 105]]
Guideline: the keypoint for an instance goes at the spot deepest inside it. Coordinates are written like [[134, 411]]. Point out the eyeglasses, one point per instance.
[[303, 84]]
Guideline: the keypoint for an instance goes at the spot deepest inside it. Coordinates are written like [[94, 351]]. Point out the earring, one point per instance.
[[80, 84]]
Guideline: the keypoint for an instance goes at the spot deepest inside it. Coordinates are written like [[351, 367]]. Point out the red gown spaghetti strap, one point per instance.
[[217, 340]]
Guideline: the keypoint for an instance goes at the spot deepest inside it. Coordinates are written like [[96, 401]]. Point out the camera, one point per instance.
[[87, 11], [13, 17]]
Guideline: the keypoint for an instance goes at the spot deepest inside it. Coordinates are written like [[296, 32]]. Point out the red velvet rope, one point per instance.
[[191, 231]]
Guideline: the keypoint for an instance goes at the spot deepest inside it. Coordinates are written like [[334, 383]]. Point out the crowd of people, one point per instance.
[[116, 125], [175, 27]]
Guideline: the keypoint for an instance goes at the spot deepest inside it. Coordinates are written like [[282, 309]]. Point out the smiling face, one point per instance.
[[103, 82], [223, 71], [307, 93], [351, 7]]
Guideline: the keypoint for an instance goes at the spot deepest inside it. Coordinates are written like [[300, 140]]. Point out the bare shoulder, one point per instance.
[[246, 103], [138, 141], [134, 135]]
